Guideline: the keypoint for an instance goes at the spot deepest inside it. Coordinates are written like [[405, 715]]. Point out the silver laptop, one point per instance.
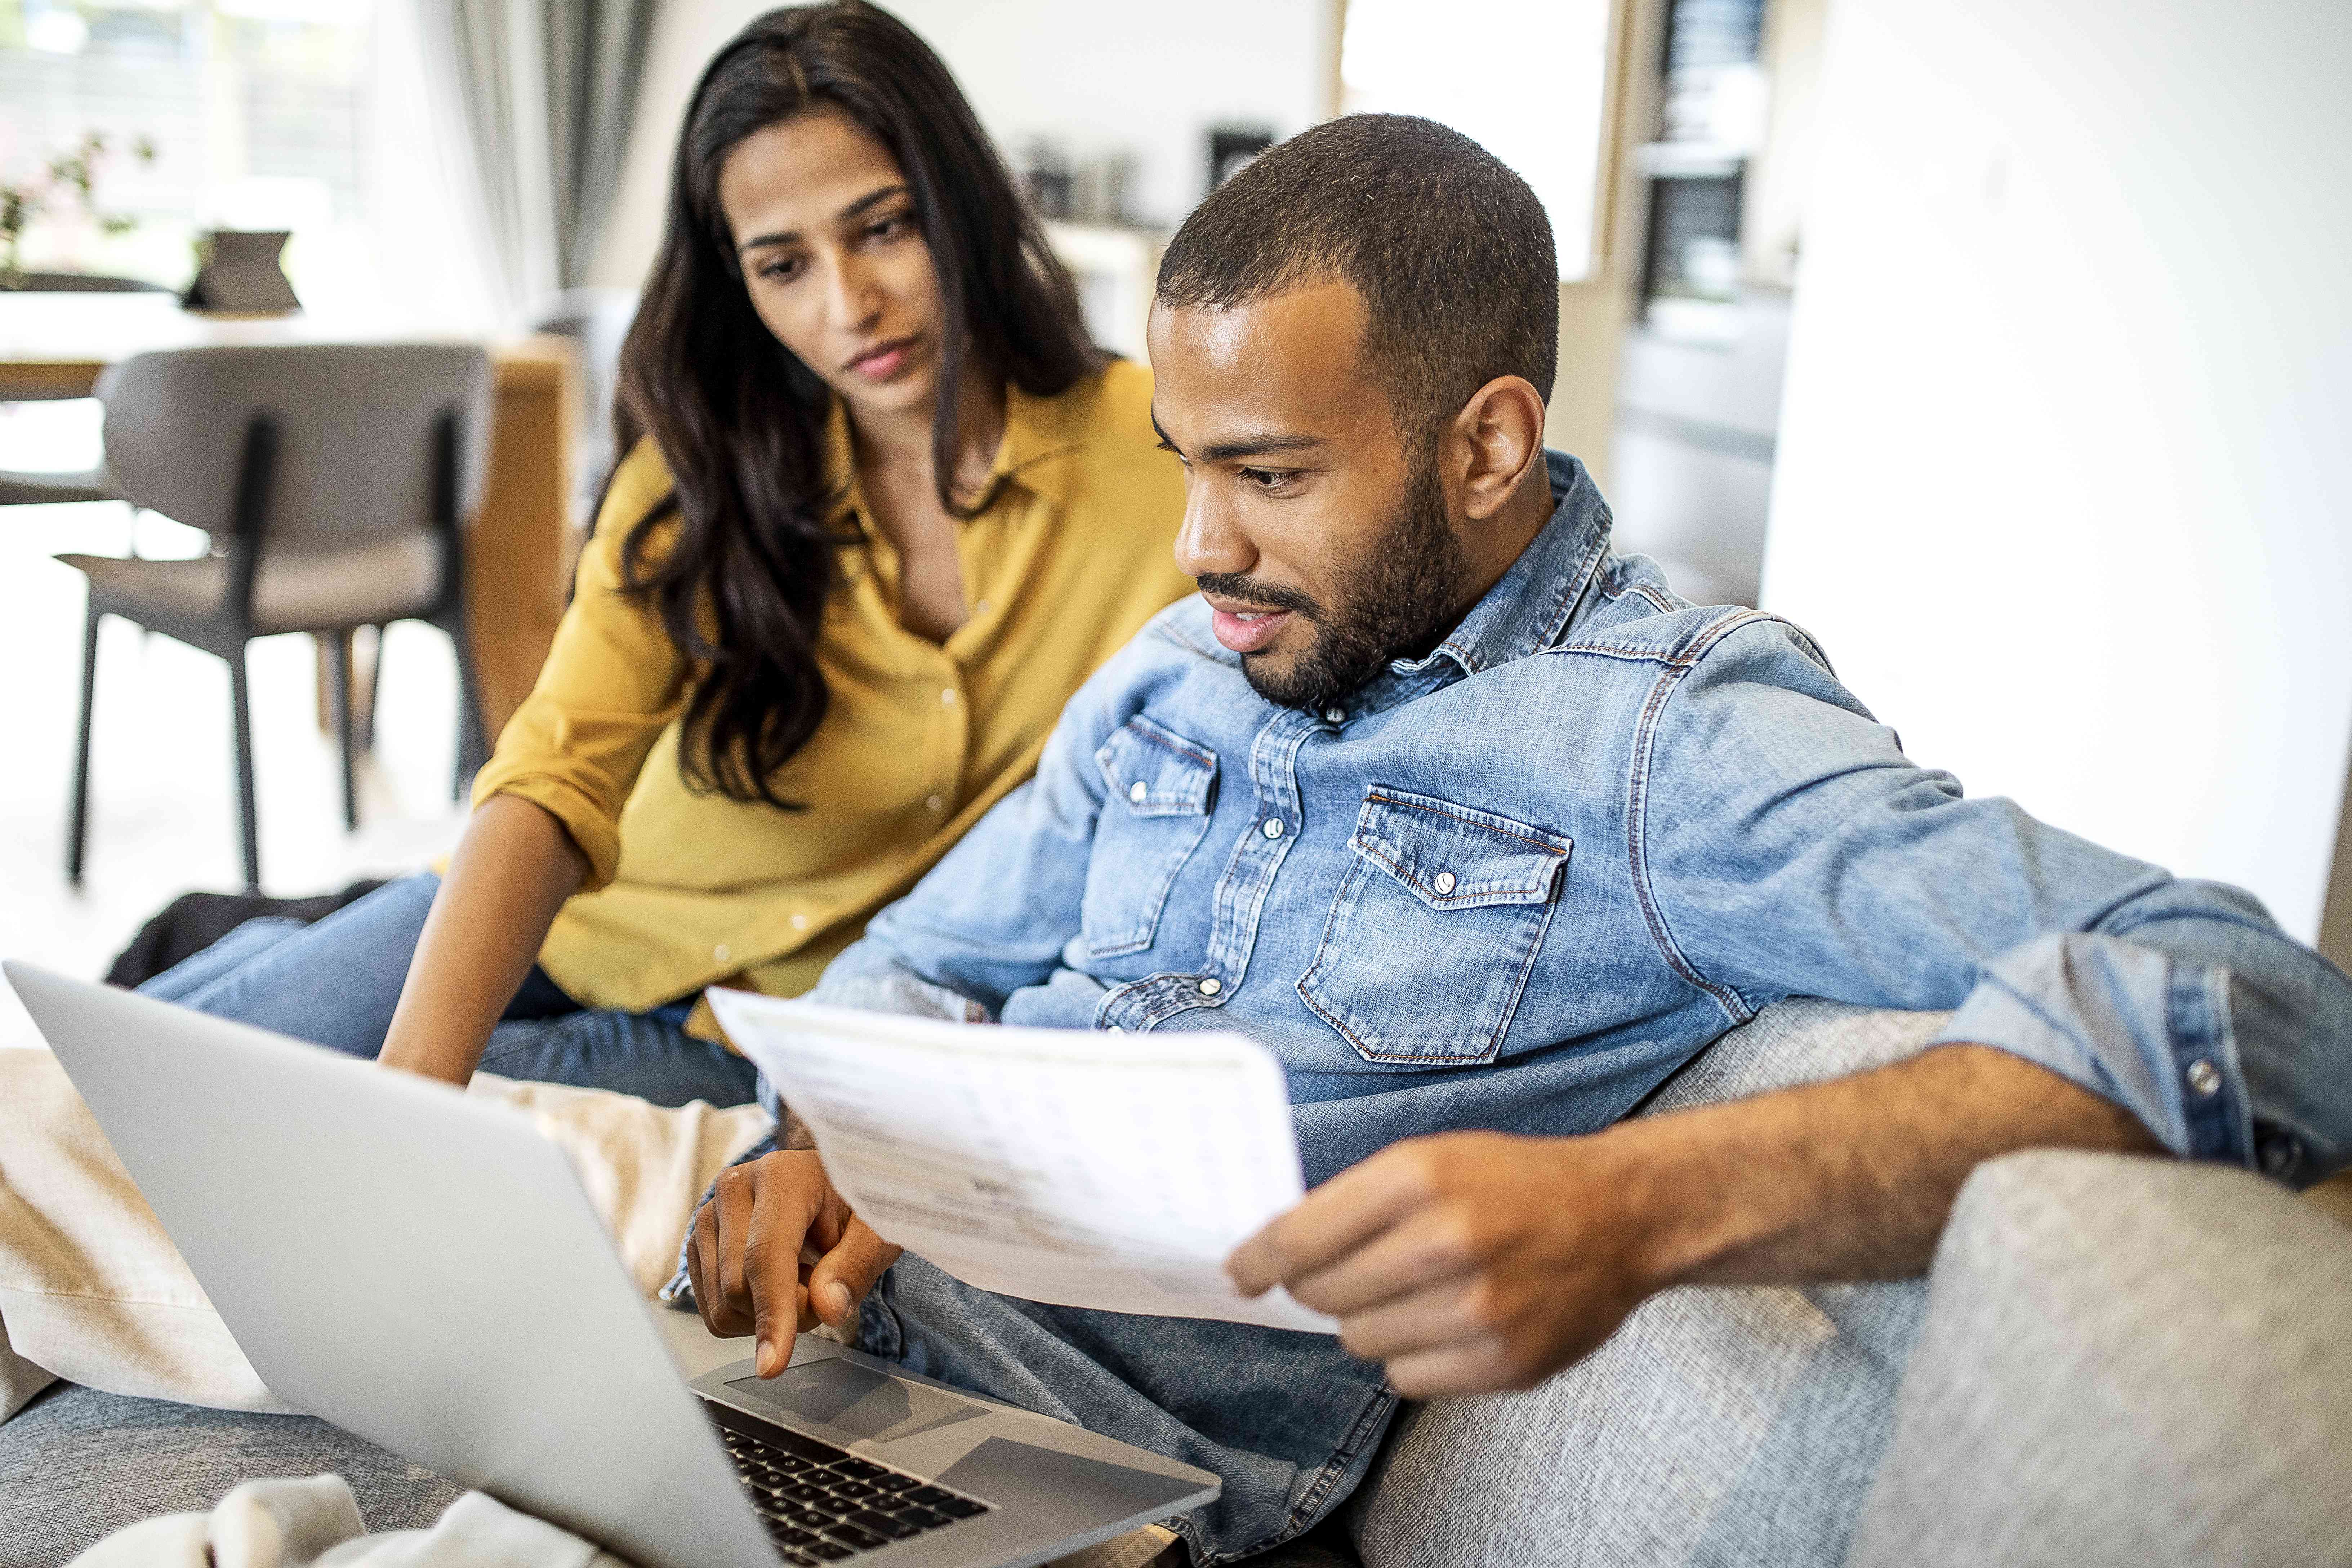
[[422, 1270]]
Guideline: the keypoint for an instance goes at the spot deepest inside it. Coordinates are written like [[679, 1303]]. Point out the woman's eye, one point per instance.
[[782, 271], [889, 227]]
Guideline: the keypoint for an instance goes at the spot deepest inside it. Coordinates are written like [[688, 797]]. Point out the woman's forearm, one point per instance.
[[512, 870]]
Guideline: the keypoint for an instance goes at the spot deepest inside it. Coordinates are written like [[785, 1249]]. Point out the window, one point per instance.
[[259, 112], [1527, 78]]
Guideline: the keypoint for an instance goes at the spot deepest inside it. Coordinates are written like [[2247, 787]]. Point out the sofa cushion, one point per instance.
[[2125, 1362], [76, 1464], [1720, 1424]]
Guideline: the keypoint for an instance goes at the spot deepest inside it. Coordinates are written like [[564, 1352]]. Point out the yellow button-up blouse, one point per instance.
[[1074, 552]]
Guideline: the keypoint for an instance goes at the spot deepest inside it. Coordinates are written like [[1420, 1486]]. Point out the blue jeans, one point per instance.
[[335, 983]]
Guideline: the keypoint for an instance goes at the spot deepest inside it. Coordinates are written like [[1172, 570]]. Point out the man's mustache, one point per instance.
[[1238, 585]]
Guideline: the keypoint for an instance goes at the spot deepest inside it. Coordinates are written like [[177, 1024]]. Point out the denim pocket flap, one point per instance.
[[1154, 772], [1453, 858]]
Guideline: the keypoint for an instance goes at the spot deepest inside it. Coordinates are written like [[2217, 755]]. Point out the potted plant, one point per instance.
[[67, 181]]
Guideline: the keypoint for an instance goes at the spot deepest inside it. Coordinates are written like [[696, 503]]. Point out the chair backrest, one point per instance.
[[356, 429]]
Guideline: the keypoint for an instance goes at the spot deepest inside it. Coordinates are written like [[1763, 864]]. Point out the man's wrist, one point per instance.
[[793, 1133], [1687, 1209]]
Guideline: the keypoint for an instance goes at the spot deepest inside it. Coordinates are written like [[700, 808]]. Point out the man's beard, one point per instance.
[[1396, 602]]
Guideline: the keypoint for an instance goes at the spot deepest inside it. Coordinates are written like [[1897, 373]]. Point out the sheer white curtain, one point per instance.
[[540, 94]]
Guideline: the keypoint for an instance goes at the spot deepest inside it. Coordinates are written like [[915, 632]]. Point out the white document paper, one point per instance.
[[1084, 1168]]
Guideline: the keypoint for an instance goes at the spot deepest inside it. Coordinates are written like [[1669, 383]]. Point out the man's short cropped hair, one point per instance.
[[1449, 249]]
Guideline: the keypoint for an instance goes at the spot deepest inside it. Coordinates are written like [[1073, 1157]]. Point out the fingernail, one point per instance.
[[771, 1362], [836, 1303]]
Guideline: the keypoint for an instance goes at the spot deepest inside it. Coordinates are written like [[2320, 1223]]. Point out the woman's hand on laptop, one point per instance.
[[777, 1251]]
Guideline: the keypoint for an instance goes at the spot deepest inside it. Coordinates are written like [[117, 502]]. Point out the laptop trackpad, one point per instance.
[[1062, 1488], [858, 1400]]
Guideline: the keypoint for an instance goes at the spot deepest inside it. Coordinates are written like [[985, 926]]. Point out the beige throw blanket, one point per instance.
[[92, 1290]]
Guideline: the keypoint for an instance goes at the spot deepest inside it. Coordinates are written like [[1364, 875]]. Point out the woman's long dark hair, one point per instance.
[[741, 585]]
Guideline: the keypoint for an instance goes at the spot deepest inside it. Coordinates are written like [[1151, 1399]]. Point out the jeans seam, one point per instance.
[[1373, 1419]]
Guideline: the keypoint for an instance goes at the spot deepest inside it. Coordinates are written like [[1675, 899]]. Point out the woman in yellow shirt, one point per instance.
[[884, 508]]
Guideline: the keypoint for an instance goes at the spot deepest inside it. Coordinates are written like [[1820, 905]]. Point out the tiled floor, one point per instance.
[[164, 794]]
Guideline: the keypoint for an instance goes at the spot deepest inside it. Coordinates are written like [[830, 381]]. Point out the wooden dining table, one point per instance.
[[519, 545]]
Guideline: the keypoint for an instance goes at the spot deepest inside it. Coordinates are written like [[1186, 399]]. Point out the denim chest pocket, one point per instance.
[[1161, 788], [1434, 929]]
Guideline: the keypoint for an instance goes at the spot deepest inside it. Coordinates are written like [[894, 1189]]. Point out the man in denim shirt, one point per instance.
[[1483, 833]]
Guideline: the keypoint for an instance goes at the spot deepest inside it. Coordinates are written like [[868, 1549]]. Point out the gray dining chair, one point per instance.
[[333, 480]]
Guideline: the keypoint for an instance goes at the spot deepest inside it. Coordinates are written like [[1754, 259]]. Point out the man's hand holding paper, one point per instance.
[[1111, 1171]]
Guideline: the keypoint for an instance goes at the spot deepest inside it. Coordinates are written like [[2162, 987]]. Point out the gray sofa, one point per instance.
[[2113, 1361]]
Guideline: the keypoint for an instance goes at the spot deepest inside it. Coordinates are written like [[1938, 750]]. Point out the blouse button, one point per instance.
[[982, 608], [934, 802], [721, 952], [1443, 882], [947, 696], [800, 923]]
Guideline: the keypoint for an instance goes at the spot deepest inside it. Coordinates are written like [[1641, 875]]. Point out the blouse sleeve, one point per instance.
[[613, 681]]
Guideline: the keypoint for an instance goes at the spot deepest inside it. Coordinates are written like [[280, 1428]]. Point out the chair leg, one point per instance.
[[78, 832], [473, 748], [248, 820], [339, 673], [375, 691]]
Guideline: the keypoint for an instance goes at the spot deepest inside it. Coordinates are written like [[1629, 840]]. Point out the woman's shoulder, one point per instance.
[[1112, 406], [1103, 423], [638, 490], [641, 481]]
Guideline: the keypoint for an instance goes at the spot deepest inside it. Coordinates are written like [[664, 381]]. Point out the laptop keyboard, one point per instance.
[[824, 1504]]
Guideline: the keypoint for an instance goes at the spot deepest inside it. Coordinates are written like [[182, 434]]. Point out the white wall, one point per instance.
[[1151, 78], [2065, 481]]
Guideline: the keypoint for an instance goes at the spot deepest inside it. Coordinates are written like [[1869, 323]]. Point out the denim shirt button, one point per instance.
[[2204, 1078], [1274, 827], [1139, 792], [1335, 715], [1443, 882], [1211, 985]]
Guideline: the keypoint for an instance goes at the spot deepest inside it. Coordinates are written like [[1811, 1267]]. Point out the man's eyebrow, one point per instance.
[[872, 198], [1242, 447]]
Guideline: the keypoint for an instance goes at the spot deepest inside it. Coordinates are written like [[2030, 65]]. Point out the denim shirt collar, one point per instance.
[[1530, 607]]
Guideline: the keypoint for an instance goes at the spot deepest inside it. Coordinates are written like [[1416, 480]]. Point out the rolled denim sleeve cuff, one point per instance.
[[2133, 1025], [864, 976]]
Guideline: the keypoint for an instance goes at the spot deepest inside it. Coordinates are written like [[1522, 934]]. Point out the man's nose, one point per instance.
[[1211, 540]]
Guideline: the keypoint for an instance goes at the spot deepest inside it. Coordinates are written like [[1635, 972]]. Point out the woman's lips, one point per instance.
[[1247, 633], [883, 360]]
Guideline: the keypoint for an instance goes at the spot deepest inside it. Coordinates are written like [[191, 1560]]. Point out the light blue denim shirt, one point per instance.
[[1515, 884]]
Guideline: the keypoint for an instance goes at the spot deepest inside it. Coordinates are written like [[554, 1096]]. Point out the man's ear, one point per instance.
[[1497, 438]]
